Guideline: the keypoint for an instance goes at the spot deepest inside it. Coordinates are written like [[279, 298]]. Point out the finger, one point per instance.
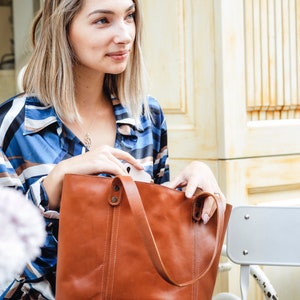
[[223, 199], [209, 209], [177, 181], [109, 162], [113, 166], [118, 156], [122, 155], [120, 167], [191, 187]]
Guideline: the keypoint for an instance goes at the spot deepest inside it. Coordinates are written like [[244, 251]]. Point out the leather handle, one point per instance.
[[144, 228]]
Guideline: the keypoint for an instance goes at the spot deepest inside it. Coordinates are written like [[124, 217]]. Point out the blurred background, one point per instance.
[[227, 73]]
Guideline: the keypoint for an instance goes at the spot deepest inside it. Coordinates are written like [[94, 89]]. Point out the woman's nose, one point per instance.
[[124, 33]]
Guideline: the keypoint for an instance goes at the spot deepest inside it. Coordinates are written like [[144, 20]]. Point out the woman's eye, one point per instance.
[[102, 21], [131, 16]]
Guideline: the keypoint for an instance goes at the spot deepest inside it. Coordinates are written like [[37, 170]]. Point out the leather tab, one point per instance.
[[116, 192]]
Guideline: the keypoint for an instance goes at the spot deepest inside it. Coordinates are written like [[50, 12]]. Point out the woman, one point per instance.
[[84, 111]]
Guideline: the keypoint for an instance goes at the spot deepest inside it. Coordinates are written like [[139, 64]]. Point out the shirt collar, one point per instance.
[[127, 129], [38, 117]]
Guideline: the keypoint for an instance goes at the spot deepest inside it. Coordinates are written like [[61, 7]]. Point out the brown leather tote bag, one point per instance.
[[121, 239]]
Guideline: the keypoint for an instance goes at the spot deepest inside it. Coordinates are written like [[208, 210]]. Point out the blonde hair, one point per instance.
[[49, 74]]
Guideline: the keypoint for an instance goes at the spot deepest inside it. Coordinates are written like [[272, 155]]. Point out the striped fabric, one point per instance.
[[33, 140]]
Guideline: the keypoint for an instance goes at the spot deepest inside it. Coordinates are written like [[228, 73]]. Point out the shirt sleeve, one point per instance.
[[39, 197], [35, 192], [8, 176], [161, 172], [161, 165]]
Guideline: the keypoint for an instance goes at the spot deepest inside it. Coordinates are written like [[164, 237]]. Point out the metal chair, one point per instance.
[[262, 235]]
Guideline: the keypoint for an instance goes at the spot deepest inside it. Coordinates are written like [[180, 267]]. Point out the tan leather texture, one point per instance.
[[126, 240]]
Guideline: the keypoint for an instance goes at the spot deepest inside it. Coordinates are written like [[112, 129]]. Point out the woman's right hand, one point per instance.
[[104, 159]]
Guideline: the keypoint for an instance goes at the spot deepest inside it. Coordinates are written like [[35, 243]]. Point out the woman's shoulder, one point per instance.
[[154, 105], [157, 116], [12, 104], [16, 105], [21, 99]]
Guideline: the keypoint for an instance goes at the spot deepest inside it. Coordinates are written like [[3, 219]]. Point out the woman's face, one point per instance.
[[102, 35]]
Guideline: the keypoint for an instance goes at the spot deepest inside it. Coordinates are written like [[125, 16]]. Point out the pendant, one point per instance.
[[87, 141]]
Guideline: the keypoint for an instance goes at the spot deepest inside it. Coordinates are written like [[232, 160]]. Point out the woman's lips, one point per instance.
[[118, 55]]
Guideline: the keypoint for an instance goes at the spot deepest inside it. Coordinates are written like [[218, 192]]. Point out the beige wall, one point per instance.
[[22, 15], [5, 30], [7, 82]]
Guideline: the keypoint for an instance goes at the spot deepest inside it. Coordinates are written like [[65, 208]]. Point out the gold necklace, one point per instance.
[[87, 139]]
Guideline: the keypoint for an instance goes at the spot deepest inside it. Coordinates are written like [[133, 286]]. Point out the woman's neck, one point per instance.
[[89, 91]]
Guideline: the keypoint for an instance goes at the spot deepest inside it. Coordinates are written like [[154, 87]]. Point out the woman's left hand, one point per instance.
[[197, 175]]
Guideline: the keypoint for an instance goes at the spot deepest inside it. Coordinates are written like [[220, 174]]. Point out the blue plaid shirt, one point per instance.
[[33, 140]]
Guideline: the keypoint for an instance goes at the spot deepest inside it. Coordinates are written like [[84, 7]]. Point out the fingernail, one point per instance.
[[205, 218], [188, 194]]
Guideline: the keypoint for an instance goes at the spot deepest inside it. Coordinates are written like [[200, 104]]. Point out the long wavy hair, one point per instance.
[[49, 73]]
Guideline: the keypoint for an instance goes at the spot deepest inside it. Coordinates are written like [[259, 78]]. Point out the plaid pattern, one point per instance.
[[33, 140]]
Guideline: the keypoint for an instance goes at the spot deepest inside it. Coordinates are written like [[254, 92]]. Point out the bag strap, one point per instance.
[[140, 217]]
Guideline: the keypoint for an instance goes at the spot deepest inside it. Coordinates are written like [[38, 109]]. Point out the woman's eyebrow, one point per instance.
[[107, 11]]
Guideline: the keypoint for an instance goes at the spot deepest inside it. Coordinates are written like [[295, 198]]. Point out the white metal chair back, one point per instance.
[[263, 235]]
